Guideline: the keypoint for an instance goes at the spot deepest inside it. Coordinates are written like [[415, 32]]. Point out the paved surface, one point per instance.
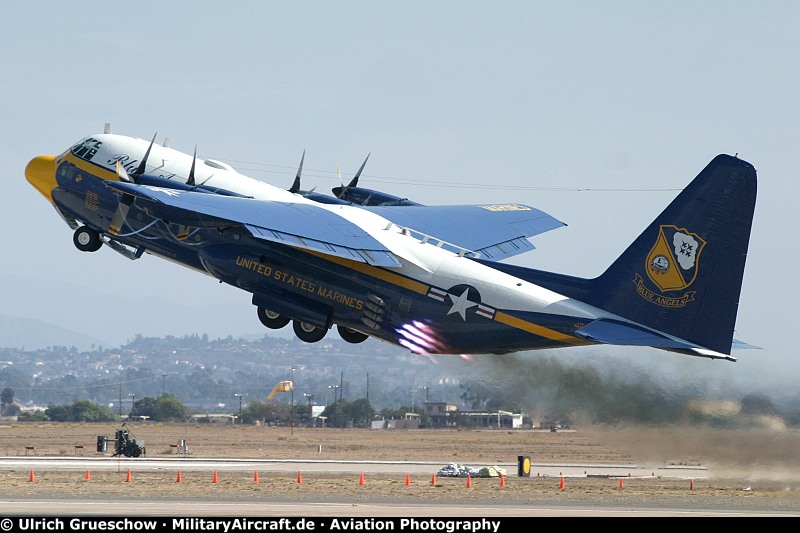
[[329, 466], [555, 505]]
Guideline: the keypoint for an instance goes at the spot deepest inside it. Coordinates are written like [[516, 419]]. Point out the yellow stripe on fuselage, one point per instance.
[[374, 272], [422, 288], [541, 331], [92, 168]]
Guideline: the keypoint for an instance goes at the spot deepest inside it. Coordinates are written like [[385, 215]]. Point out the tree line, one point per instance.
[[168, 408]]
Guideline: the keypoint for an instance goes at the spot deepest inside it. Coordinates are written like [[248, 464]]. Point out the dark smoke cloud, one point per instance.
[[588, 387]]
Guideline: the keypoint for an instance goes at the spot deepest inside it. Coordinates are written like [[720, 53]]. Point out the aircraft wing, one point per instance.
[[496, 231], [300, 225]]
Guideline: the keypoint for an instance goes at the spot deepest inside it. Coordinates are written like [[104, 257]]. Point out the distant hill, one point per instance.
[[103, 314], [33, 334]]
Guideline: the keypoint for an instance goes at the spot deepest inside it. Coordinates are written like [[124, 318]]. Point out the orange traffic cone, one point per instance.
[[469, 480], [128, 477], [691, 484], [361, 479], [408, 479], [88, 476], [216, 477], [179, 478], [433, 479], [621, 484], [31, 477], [561, 483], [502, 481], [255, 477], [299, 477]]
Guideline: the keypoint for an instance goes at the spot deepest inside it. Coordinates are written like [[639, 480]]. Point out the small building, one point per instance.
[[215, 418], [441, 414], [409, 421], [446, 414]]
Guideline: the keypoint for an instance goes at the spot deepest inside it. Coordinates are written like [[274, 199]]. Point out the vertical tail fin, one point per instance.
[[683, 274]]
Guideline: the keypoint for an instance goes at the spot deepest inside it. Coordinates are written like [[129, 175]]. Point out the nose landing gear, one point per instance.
[[86, 239]]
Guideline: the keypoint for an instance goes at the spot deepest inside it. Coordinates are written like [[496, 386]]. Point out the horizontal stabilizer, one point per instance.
[[609, 331], [741, 345]]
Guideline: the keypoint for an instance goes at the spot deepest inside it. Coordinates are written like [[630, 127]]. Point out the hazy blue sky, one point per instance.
[[596, 112]]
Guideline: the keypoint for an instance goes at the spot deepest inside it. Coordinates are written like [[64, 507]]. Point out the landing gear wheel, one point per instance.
[[271, 319], [87, 239], [350, 335], [308, 332]]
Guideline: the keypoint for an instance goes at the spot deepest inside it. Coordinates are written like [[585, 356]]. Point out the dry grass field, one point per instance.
[[747, 468], [223, 440]]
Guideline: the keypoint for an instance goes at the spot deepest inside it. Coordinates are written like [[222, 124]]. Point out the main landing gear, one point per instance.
[[305, 331], [350, 335], [308, 332], [271, 319]]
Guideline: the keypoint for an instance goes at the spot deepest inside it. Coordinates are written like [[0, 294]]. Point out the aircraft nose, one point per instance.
[[41, 173]]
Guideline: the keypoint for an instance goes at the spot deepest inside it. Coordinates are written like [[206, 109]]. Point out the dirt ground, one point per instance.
[[753, 468]]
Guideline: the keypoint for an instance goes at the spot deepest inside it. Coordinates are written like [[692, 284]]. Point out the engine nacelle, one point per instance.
[[363, 196]]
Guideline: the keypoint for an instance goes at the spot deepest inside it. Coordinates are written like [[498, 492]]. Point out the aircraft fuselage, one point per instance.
[[372, 271]]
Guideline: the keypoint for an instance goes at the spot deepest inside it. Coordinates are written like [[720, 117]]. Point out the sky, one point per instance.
[[598, 113]]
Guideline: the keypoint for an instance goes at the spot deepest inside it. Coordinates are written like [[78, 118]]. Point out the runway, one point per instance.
[[330, 466], [336, 504]]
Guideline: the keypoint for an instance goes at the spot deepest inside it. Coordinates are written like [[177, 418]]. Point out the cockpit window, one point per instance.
[[86, 148]]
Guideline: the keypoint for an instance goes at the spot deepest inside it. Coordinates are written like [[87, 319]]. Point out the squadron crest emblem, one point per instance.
[[672, 265]]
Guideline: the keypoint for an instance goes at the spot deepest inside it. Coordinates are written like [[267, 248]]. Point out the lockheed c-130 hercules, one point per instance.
[[429, 278]]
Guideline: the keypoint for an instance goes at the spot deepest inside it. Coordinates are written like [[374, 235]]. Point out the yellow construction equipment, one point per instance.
[[283, 386]]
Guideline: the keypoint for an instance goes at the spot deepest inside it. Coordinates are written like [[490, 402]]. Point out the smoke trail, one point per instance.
[[576, 390]]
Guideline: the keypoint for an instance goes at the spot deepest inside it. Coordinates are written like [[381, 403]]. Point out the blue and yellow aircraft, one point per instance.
[[429, 278]]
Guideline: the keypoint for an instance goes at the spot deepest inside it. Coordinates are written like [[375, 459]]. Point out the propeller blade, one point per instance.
[[140, 169], [340, 191], [337, 191], [122, 174], [354, 181], [190, 181], [296, 185]]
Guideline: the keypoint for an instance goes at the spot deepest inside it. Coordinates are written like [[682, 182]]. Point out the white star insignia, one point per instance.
[[461, 304]]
